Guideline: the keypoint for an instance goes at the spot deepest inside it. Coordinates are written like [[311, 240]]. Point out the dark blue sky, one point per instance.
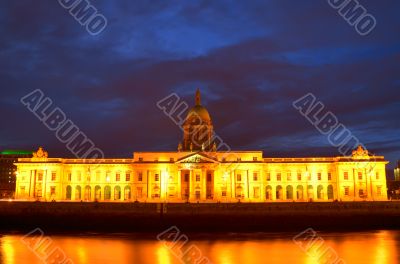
[[251, 60]]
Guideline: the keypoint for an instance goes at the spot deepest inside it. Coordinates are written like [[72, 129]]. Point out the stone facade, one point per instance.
[[201, 172], [397, 172]]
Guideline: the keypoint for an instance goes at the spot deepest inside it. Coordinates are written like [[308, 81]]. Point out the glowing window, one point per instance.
[[278, 177], [255, 176], [53, 176]]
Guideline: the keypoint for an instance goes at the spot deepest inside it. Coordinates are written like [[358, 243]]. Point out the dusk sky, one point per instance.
[[250, 59]]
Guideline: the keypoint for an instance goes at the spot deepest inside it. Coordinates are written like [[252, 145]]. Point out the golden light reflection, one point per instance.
[[385, 247], [163, 254], [361, 247], [8, 250]]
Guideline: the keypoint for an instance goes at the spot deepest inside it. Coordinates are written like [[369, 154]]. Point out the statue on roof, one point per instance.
[[40, 153]]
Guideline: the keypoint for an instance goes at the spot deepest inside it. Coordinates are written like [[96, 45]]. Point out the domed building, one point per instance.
[[203, 169], [198, 128]]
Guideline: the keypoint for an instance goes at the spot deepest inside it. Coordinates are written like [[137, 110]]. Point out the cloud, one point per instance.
[[251, 60]]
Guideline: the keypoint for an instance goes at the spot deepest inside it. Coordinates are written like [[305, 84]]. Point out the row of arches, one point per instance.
[[86, 193], [299, 193]]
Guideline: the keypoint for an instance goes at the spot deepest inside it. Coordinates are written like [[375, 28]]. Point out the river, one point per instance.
[[352, 247]]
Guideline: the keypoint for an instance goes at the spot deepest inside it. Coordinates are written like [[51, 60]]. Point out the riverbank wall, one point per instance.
[[192, 217]]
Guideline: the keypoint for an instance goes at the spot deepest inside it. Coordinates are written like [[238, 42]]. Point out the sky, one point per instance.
[[250, 59]]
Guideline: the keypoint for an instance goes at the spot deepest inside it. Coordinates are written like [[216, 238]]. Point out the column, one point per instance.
[[191, 180], [179, 191], [73, 192], [233, 185], [203, 184], [149, 187]]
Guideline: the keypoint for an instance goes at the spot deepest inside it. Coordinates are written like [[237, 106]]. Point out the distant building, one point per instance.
[[8, 170], [199, 171], [397, 172]]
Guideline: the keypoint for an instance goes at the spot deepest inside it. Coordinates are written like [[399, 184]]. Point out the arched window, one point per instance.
[[310, 192], [97, 193], [127, 193], [299, 192], [268, 192], [87, 193], [107, 193], [289, 192], [330, 192], [279, 193], [68, 195], [320, 192], [78, 190], [117, 193]]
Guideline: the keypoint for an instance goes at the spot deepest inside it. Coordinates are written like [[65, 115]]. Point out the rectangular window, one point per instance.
[[22, 190], [239, 159], [52, 190], [69, 176], [117, 176], [278, 177], [347, 190], [268, 176], [299, 176], [361, 193], [171, 160], [377, 175], [239, 177], [139, 191], [197, 177], [140, 176], [254, 158], [140, 159], [40, 176], [379, 190], [346, 175], [360, 176], [156, 177], [329, 176], [128, 176], [223, 192], [255, 176], [256, 193], [319, 175], [53, 176], [308, 176], [187, 177], [289, 176]]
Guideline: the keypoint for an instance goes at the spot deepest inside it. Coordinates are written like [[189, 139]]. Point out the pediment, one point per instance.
[[197, 158]]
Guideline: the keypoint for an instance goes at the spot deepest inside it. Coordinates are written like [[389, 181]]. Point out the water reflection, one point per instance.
[[361, 247]]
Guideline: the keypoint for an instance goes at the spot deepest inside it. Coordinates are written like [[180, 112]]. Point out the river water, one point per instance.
[[352, 247]]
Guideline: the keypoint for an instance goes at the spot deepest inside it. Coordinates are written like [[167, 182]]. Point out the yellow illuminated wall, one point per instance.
[[202, 176]]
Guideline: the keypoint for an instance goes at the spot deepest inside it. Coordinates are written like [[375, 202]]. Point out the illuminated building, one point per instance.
[[199, 171], [397, 172], [8, 170]]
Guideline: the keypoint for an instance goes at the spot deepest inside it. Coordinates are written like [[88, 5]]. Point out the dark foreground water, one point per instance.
[[353, 247]]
